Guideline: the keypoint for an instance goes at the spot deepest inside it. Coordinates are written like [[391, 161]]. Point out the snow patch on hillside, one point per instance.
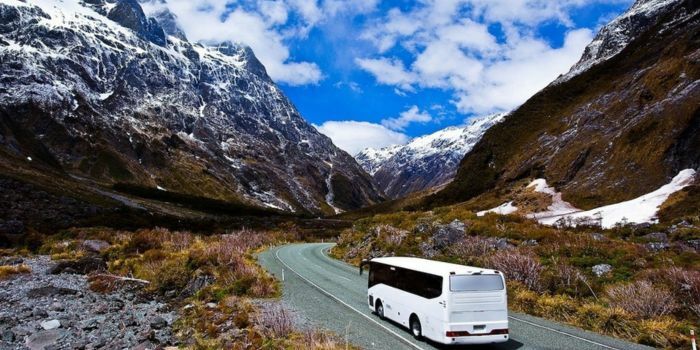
[[639, 210], [503, 209], [558, 207]]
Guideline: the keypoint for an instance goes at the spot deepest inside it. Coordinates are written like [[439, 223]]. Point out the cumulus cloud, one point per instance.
[[389, 71], [354, 136], [452, 48], [411, 115]]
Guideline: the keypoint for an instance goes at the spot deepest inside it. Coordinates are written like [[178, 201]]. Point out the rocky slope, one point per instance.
[[623, 123], [425, 162], [45, 309], [96, 90]]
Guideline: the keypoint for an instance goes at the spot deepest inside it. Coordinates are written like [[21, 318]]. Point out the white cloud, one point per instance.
[[411, 115], [388, 71], [451, 48], [354, 136]]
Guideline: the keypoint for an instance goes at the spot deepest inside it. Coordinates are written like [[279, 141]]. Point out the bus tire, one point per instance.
[[379, 308], [416, 328]]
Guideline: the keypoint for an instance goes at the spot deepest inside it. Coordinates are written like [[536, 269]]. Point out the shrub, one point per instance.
[[10, 270], [472, 246], [518, 266], [641, 298], [277, 321], [167, 274], [144, 240], [685, 284]]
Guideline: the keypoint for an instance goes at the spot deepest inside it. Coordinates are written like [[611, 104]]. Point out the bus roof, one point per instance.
[[430, 266]]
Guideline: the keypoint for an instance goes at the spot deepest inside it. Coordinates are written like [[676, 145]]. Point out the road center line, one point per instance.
[[346, 304]]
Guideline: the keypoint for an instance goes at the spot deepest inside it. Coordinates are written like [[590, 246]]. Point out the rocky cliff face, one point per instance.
[[425, 162], [98, 91], [622, 123]]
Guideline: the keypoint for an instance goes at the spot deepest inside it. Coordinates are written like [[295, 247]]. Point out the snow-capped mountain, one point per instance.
[[623, 123], [426, 161], [616, 35], [98, 90]]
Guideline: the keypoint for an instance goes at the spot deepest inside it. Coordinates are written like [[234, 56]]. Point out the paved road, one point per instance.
[[333, 295]]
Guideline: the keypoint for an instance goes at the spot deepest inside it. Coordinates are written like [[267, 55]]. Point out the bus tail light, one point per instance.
[[454, 334]]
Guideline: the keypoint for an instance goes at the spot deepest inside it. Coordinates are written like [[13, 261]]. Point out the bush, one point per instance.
[[643, 299], [472, 246], [277, 321], [518, 266]]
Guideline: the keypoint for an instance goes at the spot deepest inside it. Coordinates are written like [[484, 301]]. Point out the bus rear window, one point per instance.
[[476, 283]]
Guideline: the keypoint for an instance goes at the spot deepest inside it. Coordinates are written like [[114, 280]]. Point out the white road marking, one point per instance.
[[346, 304]]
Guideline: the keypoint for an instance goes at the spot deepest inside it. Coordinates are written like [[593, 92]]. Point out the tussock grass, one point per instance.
[[8, 271]]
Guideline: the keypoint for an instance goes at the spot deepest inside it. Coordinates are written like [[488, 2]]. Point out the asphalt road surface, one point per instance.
[[332, 295]]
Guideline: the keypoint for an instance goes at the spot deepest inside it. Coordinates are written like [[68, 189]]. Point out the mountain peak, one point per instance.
[[130, 14], [616, 35], [425, 162]]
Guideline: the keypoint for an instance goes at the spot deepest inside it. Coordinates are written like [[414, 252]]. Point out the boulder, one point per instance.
[[596, 236], [50, 291], [502, 243], [47, 339], [95, 245], [601, 269], [446, 235], [12, 261], [657, 246], [51, 324], [694, 243], [8, 336], [158, 323], [196, 284], [82, 266], [529, 243], [655, 237]]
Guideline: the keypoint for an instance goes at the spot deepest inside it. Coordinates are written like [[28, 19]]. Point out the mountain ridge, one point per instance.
[[425, 162], [100, 100]]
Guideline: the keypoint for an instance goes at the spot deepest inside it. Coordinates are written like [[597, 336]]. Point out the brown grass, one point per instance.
[[7, 271]]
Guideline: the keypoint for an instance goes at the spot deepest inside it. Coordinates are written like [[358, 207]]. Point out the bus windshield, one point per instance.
[[476, 283]]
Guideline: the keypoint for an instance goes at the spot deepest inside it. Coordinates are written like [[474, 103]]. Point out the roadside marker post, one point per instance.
[[692, 339]]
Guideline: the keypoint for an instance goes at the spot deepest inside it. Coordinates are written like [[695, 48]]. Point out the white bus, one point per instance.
[[446, 303]]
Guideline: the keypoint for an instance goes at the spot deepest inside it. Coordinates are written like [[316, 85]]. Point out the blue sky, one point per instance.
[[372, 73]]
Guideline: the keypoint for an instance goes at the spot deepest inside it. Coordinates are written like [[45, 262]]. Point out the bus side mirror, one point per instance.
[[362, 265]]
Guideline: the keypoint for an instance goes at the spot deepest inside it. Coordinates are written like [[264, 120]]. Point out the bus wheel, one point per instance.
[[380, 310], [416, 329]]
